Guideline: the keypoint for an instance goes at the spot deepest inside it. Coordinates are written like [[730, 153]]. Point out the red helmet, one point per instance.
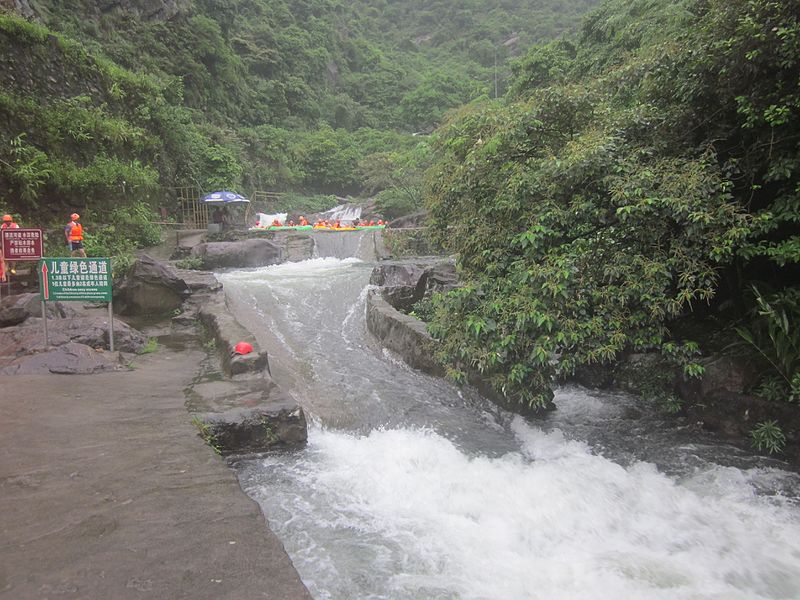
[[243, 348], [7, 218], [74, 216]]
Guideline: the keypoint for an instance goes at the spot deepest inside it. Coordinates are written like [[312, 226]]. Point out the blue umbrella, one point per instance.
[[224, 197]]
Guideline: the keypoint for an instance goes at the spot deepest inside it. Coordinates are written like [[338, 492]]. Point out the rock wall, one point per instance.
[[402, 334], [401, 285]]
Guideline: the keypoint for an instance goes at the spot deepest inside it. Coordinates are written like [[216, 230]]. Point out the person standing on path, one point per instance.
[[8, 223], [74, 234]]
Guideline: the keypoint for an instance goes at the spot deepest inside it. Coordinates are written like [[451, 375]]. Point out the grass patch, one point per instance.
[[208, 435], [150, 347]]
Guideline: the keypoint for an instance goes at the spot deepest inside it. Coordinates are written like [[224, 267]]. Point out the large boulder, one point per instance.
[[12, 315], [403, 284], [149, 288], [68, 359], [90, 331], [22, 306], [238, 254]]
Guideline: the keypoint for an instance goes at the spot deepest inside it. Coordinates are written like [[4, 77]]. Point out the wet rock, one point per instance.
[[12, 315], [723, 376], [90, 331], [441, 277], [406, 336], [238, 254], [417, 219], [298, 247], [69, 359], [199, 281], [227, 332], [246, 416], [397, 274], [598, 377], [31, 303], [405, 284], [149, 288]]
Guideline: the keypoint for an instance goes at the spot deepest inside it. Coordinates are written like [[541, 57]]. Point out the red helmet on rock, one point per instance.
[[243, 348]]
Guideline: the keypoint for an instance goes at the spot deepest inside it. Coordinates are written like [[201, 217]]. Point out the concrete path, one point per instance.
[[107, 492]]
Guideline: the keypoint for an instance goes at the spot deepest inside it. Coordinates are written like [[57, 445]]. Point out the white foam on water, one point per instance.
[[407, 514], [421, 519]]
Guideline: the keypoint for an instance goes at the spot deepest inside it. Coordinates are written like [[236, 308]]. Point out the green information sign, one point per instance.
[[75, 279]]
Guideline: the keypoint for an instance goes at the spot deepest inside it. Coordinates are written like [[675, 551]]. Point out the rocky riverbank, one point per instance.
[[722, 402]]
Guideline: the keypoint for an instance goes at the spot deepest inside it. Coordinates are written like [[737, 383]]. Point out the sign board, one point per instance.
[[66, 278], [21, 244]]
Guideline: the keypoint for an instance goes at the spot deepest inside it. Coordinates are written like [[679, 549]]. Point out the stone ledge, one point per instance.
[[402, 334], [227, 333], [247, 412], [247, 416]]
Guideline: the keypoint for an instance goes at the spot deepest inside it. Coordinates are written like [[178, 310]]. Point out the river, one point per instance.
[[410, 488]]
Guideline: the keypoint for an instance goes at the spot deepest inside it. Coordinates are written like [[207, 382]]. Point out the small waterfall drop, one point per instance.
[[345, 244]]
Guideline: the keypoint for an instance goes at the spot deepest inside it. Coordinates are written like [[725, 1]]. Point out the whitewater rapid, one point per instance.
[[411, 489]]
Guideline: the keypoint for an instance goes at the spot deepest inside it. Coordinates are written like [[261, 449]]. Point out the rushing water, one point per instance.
[[411, 489]]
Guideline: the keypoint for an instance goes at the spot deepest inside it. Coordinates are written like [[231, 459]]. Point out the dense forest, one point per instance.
[[102, 103], [638, 189]]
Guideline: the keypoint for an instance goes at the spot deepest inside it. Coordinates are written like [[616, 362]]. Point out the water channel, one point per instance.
[[410, 488]]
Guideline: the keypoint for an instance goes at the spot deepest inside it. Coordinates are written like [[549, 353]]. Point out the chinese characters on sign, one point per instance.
[[75, 279], [21, 244]]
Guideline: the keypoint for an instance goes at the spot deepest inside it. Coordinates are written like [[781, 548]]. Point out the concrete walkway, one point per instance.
[[107, 492]]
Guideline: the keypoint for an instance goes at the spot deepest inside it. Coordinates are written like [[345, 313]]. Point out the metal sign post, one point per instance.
[[44, 320], [83, 279]]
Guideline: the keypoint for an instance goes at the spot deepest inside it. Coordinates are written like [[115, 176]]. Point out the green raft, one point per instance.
[[289, 228]]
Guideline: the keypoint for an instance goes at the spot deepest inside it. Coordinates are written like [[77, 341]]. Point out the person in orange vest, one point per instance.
[[74, 234], [8, 223], [276, 223], [303, 221]]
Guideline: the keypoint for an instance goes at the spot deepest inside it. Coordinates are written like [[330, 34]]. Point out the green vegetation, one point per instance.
[[638, 174], [104, 108], [774, 334], [192, 262], [768, 436], [150, 347], [207, 433]]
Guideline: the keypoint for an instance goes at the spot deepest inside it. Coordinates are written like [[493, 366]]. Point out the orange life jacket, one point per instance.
[[76, 233]]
